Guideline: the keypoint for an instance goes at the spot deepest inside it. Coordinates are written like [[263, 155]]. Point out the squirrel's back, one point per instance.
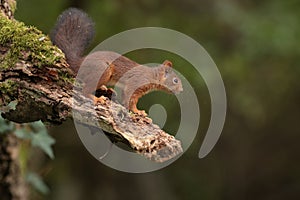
[[72, 33]]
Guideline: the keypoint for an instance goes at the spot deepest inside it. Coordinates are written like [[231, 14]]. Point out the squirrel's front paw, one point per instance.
[[107, 92], [141, 113], [97, 100]]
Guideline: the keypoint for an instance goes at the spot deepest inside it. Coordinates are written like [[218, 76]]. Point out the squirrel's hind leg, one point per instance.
[[130, 100]]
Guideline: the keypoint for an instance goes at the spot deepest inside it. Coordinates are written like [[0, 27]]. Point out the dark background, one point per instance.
[[255, 44]]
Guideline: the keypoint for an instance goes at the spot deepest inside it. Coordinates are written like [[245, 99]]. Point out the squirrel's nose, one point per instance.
[[180, 89]]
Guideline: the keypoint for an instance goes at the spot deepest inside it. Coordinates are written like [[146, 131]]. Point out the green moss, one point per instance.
[[27, 43], [66, 77], [7, 87], [8, 91], [12, 5]]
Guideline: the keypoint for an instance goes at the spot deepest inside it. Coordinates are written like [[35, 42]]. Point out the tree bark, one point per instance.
[[12, 185]]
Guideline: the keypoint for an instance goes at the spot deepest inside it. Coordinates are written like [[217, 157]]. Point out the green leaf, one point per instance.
[[38, 126], [12, 105], [5, 126], [37, 182], [36, 132], [42, 139], [23, 134]]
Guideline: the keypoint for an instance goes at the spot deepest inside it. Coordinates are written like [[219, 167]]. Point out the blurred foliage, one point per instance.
[[5, 126], [36, 134], [36, 181], [255, 45]]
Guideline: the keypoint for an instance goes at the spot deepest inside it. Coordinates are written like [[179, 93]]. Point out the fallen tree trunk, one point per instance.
[[35, 75]]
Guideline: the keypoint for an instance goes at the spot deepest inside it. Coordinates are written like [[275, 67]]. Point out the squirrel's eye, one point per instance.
[[175, 80]]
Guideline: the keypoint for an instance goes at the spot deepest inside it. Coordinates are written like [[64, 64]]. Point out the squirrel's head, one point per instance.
[[169, 78]]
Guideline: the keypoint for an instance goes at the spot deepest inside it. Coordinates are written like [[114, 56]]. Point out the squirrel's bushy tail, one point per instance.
[[73, 32]]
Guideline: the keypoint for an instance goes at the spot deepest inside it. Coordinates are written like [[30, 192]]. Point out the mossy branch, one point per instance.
[[35, 74]]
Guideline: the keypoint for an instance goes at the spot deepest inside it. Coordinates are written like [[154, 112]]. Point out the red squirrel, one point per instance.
[[73, 33]]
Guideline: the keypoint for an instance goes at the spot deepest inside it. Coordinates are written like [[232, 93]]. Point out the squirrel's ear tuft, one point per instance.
[[168, 63]]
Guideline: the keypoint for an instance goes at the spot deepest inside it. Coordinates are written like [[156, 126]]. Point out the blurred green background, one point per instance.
[[254, 44]]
